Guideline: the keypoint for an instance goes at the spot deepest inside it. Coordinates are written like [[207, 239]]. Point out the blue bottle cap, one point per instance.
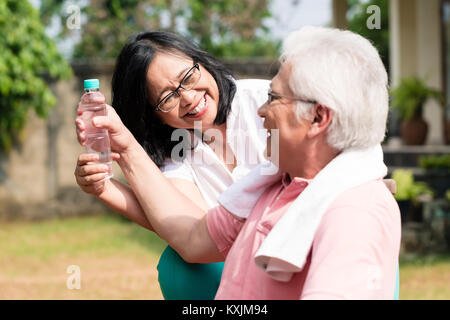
[[91, 84]]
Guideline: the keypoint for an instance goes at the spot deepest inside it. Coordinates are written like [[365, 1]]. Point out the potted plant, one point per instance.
[[410, 195], [408, 98]]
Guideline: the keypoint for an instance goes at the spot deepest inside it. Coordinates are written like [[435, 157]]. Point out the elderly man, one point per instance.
[[328, 102]]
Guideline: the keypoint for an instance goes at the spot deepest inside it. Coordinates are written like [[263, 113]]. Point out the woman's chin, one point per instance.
[[206, 120]]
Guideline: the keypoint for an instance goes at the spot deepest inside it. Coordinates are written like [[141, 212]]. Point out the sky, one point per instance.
[[287, 16]]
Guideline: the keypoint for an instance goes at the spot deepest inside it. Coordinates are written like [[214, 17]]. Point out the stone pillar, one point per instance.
[[429, 64], [403, 42], [340, 8], [415, 49]]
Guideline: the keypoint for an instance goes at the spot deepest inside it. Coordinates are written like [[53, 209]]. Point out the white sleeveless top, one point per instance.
[[246, 137]]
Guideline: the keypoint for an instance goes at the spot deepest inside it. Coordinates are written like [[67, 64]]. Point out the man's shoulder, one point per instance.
[[369, 209], [366, 193], [369, 199]]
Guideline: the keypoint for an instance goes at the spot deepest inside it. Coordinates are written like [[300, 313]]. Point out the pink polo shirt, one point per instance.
[[354, 254]]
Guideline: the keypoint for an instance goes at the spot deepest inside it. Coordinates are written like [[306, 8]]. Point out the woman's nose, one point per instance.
[[187, 97]]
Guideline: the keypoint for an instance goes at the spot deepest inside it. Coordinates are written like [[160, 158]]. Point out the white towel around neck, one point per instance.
[[286, 247]]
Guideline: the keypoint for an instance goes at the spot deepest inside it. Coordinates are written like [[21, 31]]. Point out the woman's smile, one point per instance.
[[199, 110]]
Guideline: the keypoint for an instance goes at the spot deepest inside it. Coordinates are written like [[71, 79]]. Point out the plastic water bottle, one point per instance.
[[97, 139]]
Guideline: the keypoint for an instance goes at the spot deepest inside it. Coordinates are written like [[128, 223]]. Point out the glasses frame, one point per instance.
[[176, 91], [271, 95]]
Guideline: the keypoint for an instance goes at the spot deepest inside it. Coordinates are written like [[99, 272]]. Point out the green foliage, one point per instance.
[[407, 188], [109, 25], [410, 95], [241, 48], [225, 28], [228, 28], [435, 162], [357, 23], [26, 55], [48, 9]]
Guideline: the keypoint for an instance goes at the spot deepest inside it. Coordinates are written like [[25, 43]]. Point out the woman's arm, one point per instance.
[[119, 196], [190, 190], [173, 215], [116, 195]]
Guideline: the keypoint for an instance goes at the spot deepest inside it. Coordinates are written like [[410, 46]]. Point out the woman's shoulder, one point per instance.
[[250, 92], [252, 85], [177, 169]]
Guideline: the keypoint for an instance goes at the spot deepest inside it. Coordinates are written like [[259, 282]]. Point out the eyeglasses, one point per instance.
[[274, 96], [172, 99]]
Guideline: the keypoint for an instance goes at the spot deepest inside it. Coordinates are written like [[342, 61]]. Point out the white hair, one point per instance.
[[342, 71]]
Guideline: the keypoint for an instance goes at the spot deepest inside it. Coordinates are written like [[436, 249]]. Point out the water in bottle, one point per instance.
[[97, 139]]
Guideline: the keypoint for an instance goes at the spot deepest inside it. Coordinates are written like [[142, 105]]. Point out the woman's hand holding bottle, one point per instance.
[[91, 175], [120, 137]]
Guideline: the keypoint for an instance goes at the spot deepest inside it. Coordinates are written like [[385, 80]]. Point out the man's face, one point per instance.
[[280, 114]]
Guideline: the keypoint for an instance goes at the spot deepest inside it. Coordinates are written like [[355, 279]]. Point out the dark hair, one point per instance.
[[130, 97]]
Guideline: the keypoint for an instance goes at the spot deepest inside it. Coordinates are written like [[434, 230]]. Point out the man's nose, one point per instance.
[[262, 110]]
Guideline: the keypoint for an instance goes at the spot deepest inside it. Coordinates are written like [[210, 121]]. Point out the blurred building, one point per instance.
[[419, 45], [37, 181]]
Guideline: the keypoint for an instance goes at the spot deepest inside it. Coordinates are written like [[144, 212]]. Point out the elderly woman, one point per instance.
[[329, 104], [163, 88]]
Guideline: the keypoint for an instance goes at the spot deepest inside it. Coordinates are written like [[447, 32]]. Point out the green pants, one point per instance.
[[180, 280]]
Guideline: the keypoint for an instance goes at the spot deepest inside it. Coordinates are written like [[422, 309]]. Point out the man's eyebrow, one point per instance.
[[179, 75]]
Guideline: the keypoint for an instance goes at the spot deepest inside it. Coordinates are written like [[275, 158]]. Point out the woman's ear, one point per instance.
[[322, 117]]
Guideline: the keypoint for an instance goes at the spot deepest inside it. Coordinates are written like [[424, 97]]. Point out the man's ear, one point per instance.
[[322, 117]]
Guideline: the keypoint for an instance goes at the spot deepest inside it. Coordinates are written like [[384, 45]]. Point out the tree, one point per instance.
[[27, 58], [223, 27], [229, 28], [358, 24]]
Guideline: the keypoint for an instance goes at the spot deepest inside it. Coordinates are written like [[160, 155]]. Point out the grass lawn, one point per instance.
[[426, 277], [117, 260]]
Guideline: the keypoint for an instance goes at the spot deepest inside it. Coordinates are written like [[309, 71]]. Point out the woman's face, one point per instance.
[[164, 75]]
